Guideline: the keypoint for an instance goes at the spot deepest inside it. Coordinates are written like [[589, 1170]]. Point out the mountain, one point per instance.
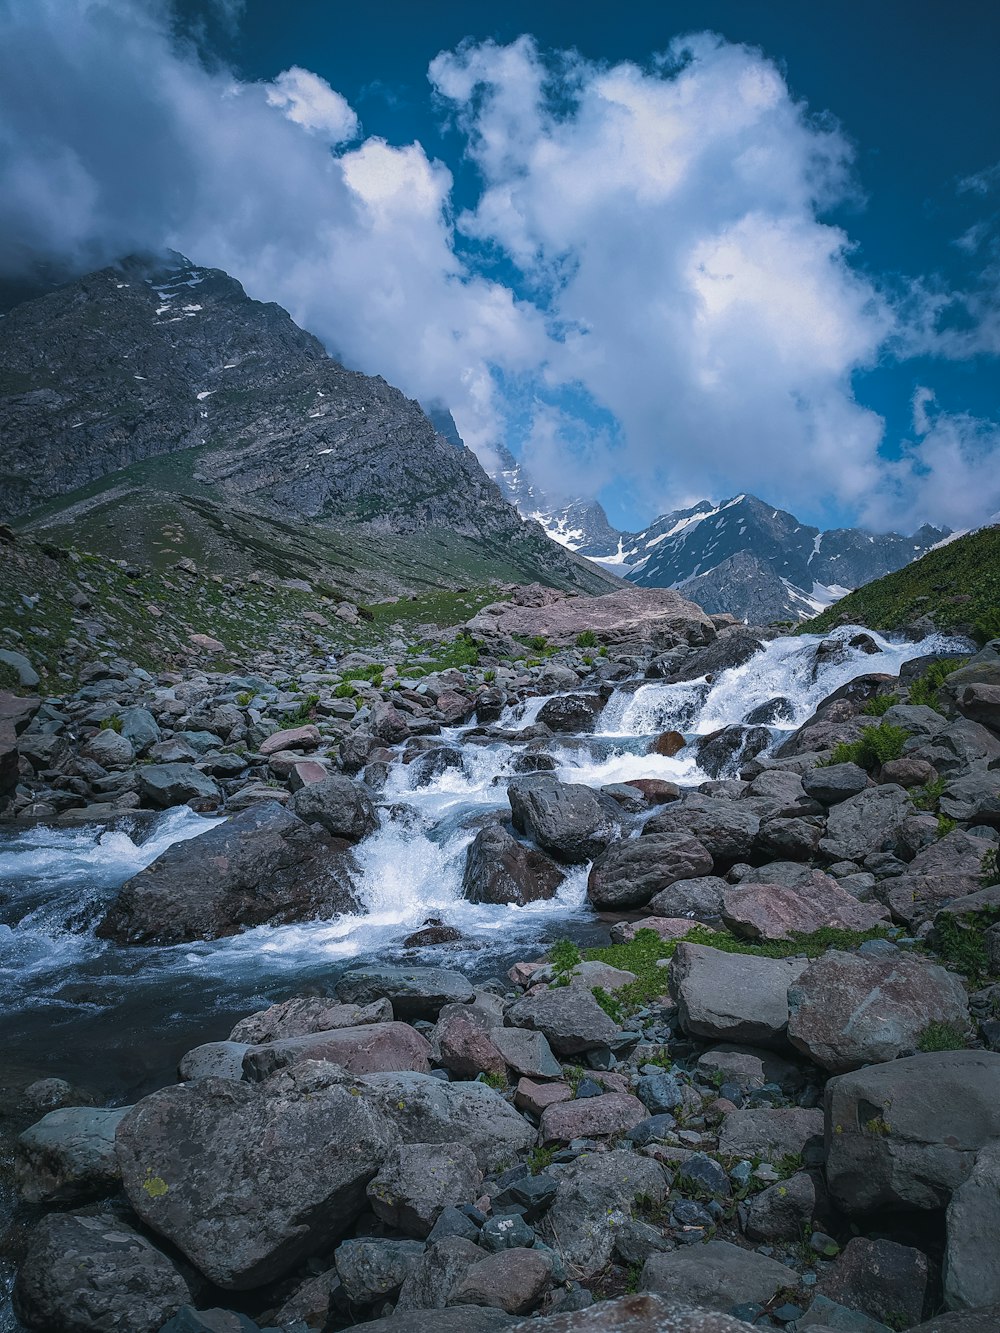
[[155, 411], [743, 556], [956, 587]]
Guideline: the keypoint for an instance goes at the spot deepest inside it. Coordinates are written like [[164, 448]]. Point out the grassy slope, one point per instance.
[[957, 586]]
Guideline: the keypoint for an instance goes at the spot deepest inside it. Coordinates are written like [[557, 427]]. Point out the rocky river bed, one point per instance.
[[641, 978]]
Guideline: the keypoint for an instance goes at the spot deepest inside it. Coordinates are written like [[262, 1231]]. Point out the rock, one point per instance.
[[633, 870], [782, 1211], [567, 820], [499, 869], [571, 712], [109, 750], [717, 1275], [732, 997], [905, 1134], [749, 1067], [218, 1168], [791, 839], [966, 1321], [213, 1059], [263, 867], [68, 1156], [826, 1316], [414, 992], [303, 1014], [971, 1276], [355, 749], [526, 1053], [465, 1049], [429, 1284], [164, 785], [865, 823], [667, 927], [700, 897], [595, 1194], [569, 1017], [645, 1313], [373, 1269], [27, 676], [847, 1010], [770, 1132], [659, 1092], [88, 1274], [459, 1319], [427, 1110], [341, 806], [721, 753], [907, 772], [513, 1280], [727, 829], [294, 738], [977, 701], [590, 1117], [370, 1049], [417, 1181], [974, 798], [668, 743], [881, 1279], [774, 912], [535, 1097]]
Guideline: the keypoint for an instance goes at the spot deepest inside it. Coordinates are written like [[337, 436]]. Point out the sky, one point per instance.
[[662, 251]]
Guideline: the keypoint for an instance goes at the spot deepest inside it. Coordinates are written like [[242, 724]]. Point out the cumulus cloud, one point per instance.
[[681, 319]]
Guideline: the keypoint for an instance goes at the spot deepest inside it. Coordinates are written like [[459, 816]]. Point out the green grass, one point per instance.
[[586, 639], [942, 1037], [960, 942], [957, 586], [9, 679], [565, 958], [876, 746]]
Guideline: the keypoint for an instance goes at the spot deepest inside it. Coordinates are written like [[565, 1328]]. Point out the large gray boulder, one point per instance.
[[960, 747], [770, 1132], [93, 1274], [569, 1017], [975, 797], [731, 996], [444, 1261], [372, 1269], [726, 829], [457, 1319], [971, 1273], [499, 869], [848, 1010], [68, 1156], [777, 912], [701, 897], [568, 820], [140, 727], [417, 1181], [164, 785], [264, 867], [571, 712], [302, 1014], [339, 805], [414, 992], [722, 752], [718, 1275], [832, 783], [905, 1134], [248, 1179], [633, 870], [865, 823], [371, 1048], [108, 749]]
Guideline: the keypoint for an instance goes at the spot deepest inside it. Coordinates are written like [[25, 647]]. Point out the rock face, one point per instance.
[[569, 821], [218, 1168], [499, 869], [632, 871], [905, 1134], [847, 1010], [264, 867], [84, 1274], [732, 997]]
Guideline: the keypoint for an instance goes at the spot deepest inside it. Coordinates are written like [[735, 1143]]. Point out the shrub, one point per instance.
[[990, 869], [942, 1037], [945, 826], [112, 723], [876, 746], [924, 690], [489, 676], [612, 1007], [244, 698], [305, 711], [538, 643], [880, 705], [587, 639], [565, 958], [927, 796], [345, 691]]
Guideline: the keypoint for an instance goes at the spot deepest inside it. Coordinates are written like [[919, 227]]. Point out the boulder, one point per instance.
[[668, 743], [109, 749], [974, 798], [727, 829], [633, 870], [526, 1053], [980, 702], [370, 1049], [339, 805], [971, 1274], [905, 1134], [294, 738], [883, 1280], [749, 1067], [414, 992], [959, 747], [571, 712], [417, 1181], [722, 753], [535, 1097], [590, 1117], [567, 820], [732, 997], [371, 1269], [263, 867], [770, 1132], [865, 823], [444, 1261], [569, 1017], [164, 785], [88, 1274], [68, 1156], [465, 1048], [213, 1059], [426, 1110], [303, 1014], [499, 869], [717, 1275], [220, 1168], [782, 1211], [667, 927], [513, 1280], [700, 897], [644, 1313], [848, 1010], [774, 912], [833, 783]]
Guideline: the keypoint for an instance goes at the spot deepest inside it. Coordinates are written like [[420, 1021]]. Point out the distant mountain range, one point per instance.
[[743, 555]]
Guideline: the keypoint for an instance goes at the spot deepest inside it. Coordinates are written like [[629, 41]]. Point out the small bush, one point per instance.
[[587, 639], [489, 676], [603, 650], [565, 958], [924, 690], [345, 691], [612, 1007], [987, 626], [945, 826], [538, 643], [112, 723], [990, 869], [305, 712], [880, 705], [495, 1081], [961, 942], [942, 1037], [927, 796], [244, 698], [876, 746]]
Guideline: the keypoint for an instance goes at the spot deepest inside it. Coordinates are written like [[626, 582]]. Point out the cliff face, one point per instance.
[[156, 359]]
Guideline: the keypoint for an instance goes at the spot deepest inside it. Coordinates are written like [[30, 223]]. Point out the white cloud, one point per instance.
[[309, 101]]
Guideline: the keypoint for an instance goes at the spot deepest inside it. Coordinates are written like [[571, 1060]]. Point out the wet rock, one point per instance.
[[417, 1181], [164, 785], [567, 820], [971, 1276], [732, 997], [218, 1168], [656, 790], [264, 867], [633, 870], [668, 743], [770, 1132], [865, 823], [727, 829], [303, 1014], [356, 749], [339, 805], [569, 1017], [414, 992], [721, 753], [373, 1269], [95, 1273], [717, 1275], [571, 712], [905, 1134], [782, 1211], [427, 1110], [700, 897], [770, 713], [775, 912], [370, 1049], [513, 1280], [68, 1156], [883, 1280], [847, 1010], [590, 1117], [499, 869]]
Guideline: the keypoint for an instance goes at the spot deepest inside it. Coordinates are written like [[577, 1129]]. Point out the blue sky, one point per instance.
[[767, 262]]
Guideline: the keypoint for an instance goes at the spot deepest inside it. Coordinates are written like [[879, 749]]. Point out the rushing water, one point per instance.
[[117, 1019]]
